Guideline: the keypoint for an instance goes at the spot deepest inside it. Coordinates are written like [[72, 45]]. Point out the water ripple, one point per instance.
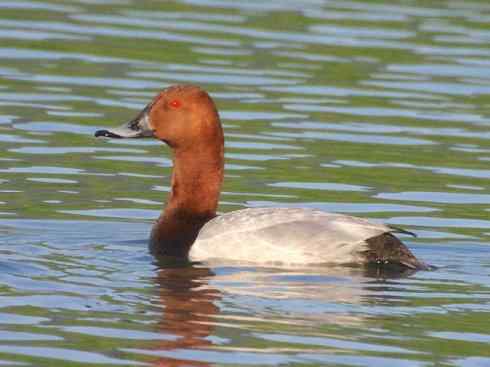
[[372, 108]]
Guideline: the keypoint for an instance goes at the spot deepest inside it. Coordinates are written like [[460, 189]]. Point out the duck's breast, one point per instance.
[[286, 235]]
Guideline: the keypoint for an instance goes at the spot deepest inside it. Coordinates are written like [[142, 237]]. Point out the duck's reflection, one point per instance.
[[189, 310]]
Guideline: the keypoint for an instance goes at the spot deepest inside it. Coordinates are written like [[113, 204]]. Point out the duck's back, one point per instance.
[[293, 236]]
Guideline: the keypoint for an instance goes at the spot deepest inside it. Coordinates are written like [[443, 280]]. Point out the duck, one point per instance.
[[185, 118]]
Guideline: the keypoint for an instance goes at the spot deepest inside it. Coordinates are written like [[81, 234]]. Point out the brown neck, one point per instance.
[[196, 183]]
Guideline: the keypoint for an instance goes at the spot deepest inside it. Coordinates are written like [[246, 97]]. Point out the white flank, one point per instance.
[[285, 235]]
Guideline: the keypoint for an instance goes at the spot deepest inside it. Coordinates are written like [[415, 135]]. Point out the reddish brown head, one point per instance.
[[181, 116], [184, 116]]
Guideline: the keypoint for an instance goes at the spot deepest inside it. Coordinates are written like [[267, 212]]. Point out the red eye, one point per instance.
[[175, 103]]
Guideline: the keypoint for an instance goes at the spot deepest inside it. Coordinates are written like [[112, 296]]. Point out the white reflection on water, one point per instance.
[[437, 197], [320, 186], [447, 88], [441, 222], [64, 354], [7, 138], [206, 78], [116, 213], [465, 172], [346, 207], [365, 127], [83, 31], [160, 161], [52, 180], [355, 138], [70, 150], [44, 169], [331, 90], [442, 70]]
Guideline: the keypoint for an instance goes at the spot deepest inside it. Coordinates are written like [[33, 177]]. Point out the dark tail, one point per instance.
[[401, 230], [386, 250]]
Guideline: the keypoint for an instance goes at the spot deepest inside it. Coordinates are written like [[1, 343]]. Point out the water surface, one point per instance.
[[378, 109]]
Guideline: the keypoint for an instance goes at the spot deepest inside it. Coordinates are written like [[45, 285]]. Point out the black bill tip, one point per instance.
[[106, 134]]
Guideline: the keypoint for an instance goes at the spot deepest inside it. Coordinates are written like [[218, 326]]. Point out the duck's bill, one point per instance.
[[139, 127]]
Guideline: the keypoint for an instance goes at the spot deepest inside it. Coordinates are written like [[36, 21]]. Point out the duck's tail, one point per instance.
[[401, 230], [386, 250]]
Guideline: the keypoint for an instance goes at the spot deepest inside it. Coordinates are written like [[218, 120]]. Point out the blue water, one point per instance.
[[375, 109]]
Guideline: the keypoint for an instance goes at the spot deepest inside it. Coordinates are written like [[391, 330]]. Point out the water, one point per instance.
[[378, 109]]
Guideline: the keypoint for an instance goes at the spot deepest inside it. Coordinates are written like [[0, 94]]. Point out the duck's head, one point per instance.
[[181, 116]]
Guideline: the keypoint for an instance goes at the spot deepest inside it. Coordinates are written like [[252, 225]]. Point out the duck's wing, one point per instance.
[[287, 235]]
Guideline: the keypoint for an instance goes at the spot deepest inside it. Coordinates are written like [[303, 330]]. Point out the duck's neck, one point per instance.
[[196, 183]]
